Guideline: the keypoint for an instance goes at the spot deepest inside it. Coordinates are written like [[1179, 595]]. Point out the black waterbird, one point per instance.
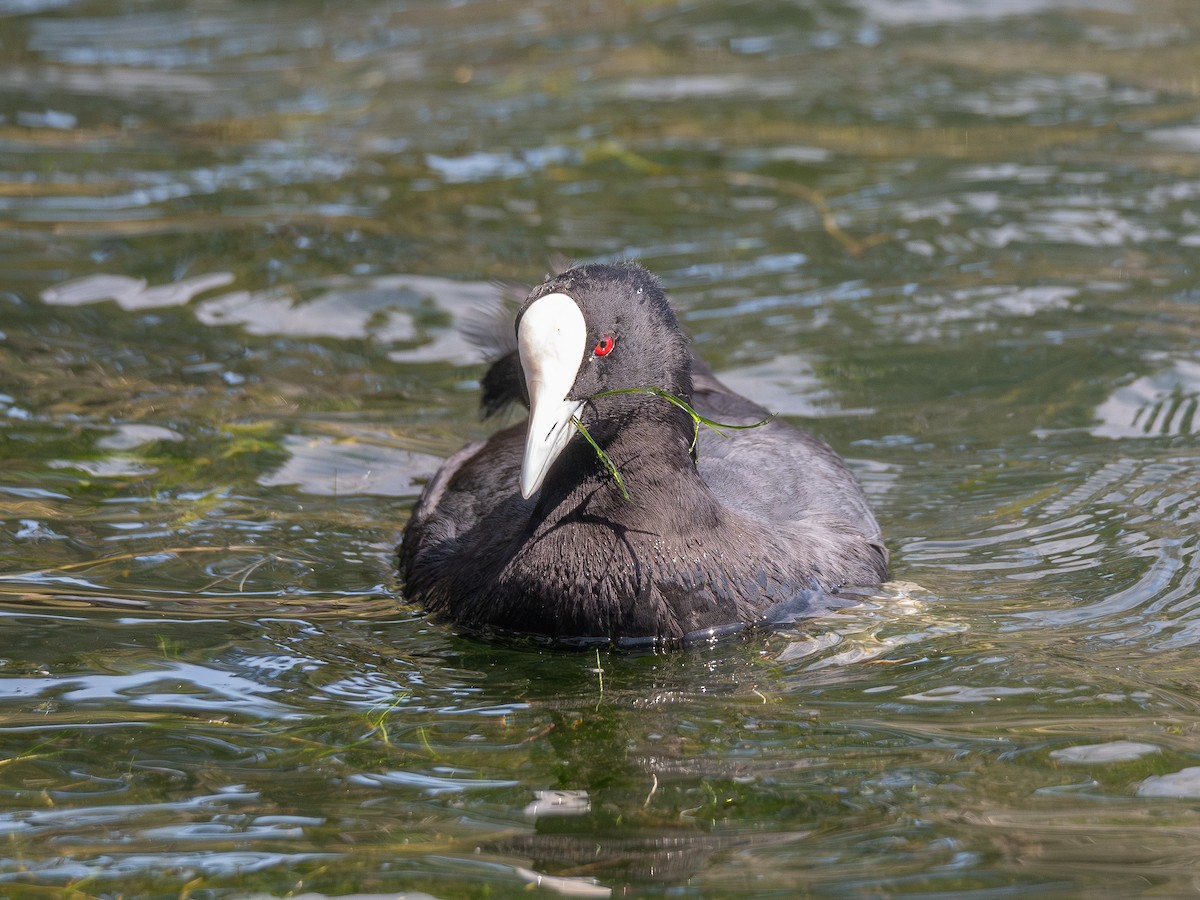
[[605, 516]]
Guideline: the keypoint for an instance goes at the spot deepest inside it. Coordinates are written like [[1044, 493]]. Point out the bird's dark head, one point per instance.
[[592, 329], [632, 338]]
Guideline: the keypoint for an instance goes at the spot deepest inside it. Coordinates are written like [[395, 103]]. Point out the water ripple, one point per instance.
[[170, 685], [1131, 522]]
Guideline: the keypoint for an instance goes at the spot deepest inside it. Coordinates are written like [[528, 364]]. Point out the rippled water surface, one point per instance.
[[957, 239]]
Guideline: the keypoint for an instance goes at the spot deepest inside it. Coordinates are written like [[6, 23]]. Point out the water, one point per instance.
[[956, 239]]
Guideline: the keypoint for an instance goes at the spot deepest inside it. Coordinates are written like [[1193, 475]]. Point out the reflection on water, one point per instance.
[[131, 293], [322, 465], [955, 239], [1162, 403]]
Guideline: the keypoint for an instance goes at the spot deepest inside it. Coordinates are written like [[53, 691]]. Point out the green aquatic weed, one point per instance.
[[664, 394], [697, 419], [604, 457]]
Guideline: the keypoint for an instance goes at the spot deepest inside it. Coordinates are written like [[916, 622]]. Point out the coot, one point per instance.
[[530, 532]]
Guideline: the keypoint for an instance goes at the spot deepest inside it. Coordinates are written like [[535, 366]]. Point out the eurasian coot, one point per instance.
[[530, 532]]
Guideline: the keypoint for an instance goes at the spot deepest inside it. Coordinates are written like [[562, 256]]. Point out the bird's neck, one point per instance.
[[653, 455]]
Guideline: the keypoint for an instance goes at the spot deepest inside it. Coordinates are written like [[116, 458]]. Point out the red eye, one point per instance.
[[604, 346]]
